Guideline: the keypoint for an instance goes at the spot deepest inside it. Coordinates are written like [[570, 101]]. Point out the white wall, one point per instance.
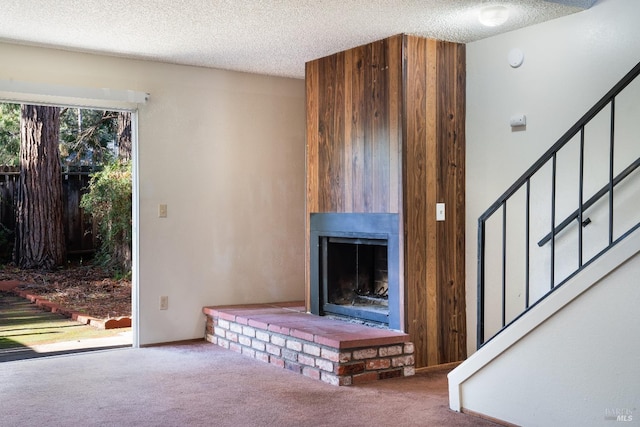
[[570, 63], [225, 152], [577, 368]]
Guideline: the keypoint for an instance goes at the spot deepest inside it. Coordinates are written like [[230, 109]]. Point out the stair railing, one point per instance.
[[524, 183]]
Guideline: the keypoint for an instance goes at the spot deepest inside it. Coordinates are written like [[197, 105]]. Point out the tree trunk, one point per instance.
[[124, 136], [40, 241]]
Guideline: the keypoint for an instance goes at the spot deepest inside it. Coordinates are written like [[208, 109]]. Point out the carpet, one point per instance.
[[200, 384]]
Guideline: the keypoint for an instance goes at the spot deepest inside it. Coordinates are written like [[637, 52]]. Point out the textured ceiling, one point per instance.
[[274, 37]]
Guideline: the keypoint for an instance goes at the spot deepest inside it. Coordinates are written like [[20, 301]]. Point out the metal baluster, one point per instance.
[[553, 220], [527, 231], [613, 116], [480, 302], [504, 262], [580, 197]]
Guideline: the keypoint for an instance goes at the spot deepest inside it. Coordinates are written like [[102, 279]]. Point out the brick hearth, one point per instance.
[[333, 351]]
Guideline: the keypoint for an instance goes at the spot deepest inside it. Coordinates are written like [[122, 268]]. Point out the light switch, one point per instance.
[[162, 211], [439, 211]]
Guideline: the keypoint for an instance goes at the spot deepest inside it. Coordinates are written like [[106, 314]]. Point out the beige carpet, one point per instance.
[[199, 384]]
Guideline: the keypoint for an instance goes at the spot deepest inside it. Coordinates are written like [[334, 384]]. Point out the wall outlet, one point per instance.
[[164, 302], [162, 211]]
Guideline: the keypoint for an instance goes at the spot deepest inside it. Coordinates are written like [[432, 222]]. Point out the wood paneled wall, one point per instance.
[[385, 134]]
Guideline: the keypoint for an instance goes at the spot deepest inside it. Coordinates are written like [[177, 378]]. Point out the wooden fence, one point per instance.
[[79, 227]]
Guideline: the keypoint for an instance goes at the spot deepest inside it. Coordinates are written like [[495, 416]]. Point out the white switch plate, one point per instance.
[[518, 120], [164, 302], [162, 211], [439, 211]]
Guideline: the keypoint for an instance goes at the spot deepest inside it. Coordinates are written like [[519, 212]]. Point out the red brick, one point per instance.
[[235, 347], [307, 360], [258, 345], [279, 329], [311, 372], [273, 349], [394, 373], [235, 328], [377, 364], [232, 336], [223, 324], [326, 341], [333, 356], [244, 340], [365, 353], [294, 345], [365, 377], [402, 361], [329, 378], [276, 361], [226, 316], [345, 357], [408, 371], [220, 332], [313, 350], [248, 352], [223, 343], [301, 334], [263, 336], [325, 365], [263, 357], [393, 350], [278, 340], [408, 348], [289, 355], [293, 366], [250, 332], [242, 320], [258, 324], [350, 369]]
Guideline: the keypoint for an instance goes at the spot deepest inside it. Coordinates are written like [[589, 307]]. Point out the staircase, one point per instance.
[[558, 261]]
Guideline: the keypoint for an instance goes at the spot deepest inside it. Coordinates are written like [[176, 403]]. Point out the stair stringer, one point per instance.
[[509, 377]]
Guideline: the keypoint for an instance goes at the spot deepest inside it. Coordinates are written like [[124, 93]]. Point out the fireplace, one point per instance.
[[355, 267]]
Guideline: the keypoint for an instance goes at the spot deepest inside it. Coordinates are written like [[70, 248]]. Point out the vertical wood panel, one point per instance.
[[312, 134], [450, 188], [415, 192], [460, 345], [394, 70], [347, 114], [433, 258], [358, 127], [366, 192], [455, 343], [446, 160], [379, 140]]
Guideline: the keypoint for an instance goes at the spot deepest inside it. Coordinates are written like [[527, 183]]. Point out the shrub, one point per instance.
[[109, 201]]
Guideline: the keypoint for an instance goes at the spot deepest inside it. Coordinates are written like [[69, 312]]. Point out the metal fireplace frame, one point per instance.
[[368, 226]]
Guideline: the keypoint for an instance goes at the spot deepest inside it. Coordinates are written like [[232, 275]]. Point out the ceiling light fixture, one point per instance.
[[492, 16]]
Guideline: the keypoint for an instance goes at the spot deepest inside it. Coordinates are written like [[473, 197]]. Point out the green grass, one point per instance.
[[22, 324]]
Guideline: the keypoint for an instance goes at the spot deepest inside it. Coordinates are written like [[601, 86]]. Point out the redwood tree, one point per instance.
[[39, 234], [124, 135]]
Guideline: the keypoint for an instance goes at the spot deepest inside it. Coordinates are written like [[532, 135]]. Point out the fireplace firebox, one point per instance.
[[355, 267]]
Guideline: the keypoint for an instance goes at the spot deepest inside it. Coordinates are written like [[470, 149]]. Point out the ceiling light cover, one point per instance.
[[492, 16]]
